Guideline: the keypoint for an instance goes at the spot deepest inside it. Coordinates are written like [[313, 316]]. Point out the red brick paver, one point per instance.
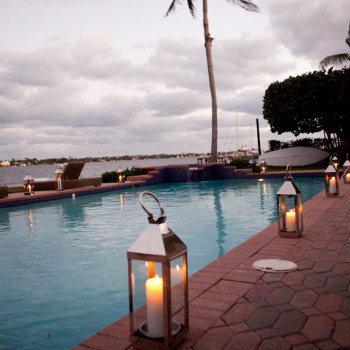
[[233, 306]]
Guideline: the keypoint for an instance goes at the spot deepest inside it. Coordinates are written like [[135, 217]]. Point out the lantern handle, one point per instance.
[[161, 218], [288, 173]]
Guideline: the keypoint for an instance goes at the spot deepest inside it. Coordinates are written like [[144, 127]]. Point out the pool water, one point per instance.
[[63, 266]]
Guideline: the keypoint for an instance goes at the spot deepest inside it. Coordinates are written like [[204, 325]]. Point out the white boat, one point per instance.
[[295, 156]]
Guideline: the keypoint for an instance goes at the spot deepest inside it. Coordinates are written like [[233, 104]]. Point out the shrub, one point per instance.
[[243, 163], [113, 176]]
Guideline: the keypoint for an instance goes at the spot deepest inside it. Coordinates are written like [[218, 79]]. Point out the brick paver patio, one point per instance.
[[234, 306]]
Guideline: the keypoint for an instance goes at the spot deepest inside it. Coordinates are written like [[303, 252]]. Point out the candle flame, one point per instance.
[[146, 263], [177, 267]]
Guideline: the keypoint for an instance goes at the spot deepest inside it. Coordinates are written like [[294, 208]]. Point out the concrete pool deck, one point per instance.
[[233, 306]]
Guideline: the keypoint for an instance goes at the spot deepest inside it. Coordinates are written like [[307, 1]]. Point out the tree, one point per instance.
[[338, 59], [245, 4], [317, 101]]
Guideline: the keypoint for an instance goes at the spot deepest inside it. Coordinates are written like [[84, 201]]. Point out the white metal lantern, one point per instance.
[[121, 176], [28, 184], [263, 166], [158, 285], [335, 162], [59, 176], [289, 208], [331, 180], [346, 171]]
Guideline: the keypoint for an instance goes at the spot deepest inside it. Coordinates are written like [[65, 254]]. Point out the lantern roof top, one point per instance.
[[347, 163], [157, 238], [330, 169], [27, 177], [153, 241], [288, 188]]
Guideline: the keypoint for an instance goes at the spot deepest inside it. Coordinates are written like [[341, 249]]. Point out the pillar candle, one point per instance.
[[154, 296], [332, 185], [290, 221]]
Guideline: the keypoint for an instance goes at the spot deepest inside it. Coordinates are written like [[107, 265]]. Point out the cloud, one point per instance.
[[85, 94], [312, 29]]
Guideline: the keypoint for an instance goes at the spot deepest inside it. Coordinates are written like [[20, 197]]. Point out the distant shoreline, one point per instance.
[[14, 175]]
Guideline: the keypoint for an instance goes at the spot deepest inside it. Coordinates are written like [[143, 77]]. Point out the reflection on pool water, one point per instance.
[[63, 266]]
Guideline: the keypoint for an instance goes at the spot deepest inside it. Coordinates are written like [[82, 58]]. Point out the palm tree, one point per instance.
[[336, 59], [245, 4]]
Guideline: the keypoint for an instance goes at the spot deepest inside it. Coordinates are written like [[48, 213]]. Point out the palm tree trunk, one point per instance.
[[214, 106]]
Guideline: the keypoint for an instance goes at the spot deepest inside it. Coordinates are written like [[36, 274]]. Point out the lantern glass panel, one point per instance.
[[346, 175], [141, 272], [331, 181], [290, 214], [177, 271]]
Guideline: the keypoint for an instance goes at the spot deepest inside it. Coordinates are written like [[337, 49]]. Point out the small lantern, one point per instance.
[[158, 285], [346, 171], [121, 176], [59, 175], [335, 162], [263, 166], [28, 184], [289, 208], [331, 180]]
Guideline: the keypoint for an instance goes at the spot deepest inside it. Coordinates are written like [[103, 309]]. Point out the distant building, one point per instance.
[[5, 163]]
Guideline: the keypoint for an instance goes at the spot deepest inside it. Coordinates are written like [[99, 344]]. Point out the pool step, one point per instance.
[[142, 178]]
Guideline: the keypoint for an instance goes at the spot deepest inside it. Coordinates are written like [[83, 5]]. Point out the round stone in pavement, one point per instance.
[[290, 322], [345, 308], [337, 284], [328, 303], [247, 341], [315, 280], [317, 328], [275, 343], [304, 299], [280, 296], [341, 333], [238, 313], [264, 317]]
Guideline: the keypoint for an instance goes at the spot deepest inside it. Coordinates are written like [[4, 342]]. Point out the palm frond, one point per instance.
[[191, 8], [175, 2], [245, 4], [334, 60], [172, 7]]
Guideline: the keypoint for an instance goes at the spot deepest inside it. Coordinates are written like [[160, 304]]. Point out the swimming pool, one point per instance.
[[63, 266]]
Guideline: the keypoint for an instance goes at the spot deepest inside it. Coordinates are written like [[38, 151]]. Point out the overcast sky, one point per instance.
[[110, 77]]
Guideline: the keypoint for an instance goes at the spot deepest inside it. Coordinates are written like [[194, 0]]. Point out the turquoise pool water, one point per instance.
[[63, 266]]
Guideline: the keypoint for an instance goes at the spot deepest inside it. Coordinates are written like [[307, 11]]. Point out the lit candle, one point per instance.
[[348, 177], [154, 296], [332, 185], [29, 189], [120, 178], [290, 221], [59, 181]]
